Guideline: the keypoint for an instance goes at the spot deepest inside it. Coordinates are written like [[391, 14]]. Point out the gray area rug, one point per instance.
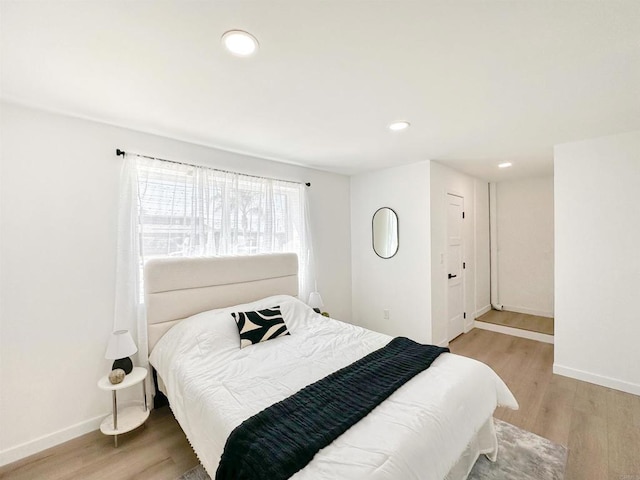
[[522, 455]]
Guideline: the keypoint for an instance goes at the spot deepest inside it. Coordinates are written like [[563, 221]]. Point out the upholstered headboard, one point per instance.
[[176, 288]]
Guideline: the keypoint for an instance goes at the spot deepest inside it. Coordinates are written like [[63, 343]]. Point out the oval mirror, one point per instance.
[[385, 232]]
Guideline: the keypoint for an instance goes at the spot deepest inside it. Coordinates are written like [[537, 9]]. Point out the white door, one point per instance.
[[455, 293]]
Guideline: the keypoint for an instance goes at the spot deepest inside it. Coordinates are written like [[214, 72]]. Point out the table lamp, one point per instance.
[[120, 347], [315, 301]]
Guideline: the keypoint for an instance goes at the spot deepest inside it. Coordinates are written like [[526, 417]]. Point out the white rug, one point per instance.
[[522, 456]]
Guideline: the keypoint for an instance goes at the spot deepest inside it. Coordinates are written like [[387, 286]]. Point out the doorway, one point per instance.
[[455, 274]]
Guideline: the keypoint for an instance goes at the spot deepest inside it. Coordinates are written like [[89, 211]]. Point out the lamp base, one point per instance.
[[124, 363]]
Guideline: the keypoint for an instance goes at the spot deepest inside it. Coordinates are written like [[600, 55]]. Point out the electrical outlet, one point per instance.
[[385, 314]]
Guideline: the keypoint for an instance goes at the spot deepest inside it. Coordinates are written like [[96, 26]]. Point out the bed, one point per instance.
[[433, 427]]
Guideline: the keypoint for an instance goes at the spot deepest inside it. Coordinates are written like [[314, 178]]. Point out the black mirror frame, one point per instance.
[[397, 232]]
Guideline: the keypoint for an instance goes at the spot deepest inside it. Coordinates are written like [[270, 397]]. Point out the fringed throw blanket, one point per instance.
[[282, 439]]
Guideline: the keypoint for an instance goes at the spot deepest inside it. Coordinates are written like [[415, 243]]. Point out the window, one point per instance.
[[186, 210]]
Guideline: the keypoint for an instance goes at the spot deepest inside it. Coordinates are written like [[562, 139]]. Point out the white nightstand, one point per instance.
[[128, 418]]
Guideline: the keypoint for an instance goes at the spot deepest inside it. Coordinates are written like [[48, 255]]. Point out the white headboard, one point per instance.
[[176, 288]]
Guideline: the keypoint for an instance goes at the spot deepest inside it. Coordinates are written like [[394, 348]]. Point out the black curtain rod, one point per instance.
[[123, 153]]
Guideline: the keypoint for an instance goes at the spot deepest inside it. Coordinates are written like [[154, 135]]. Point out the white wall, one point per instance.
[[58, 208], [400, 284], [445, 180], [482, 250], [597, 265], [525, 245]]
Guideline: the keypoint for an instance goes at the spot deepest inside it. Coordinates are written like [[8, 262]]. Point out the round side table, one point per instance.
[[128, 418]]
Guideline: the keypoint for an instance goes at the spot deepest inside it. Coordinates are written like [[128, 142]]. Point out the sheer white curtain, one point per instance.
[[171, 209]]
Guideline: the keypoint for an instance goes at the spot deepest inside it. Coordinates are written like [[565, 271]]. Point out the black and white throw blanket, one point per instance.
[[282, 439]]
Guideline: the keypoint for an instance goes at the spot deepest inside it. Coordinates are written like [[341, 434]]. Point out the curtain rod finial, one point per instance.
[[308, 184], [119, 152]]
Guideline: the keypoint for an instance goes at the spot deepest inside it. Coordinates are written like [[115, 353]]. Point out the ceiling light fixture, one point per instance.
[[395, 126], [240, 43], [504, 165]]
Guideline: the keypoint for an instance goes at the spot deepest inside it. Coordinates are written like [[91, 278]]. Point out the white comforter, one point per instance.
[[418, 433]]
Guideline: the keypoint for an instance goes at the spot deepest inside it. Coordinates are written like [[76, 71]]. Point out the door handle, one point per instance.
[[452, 276]]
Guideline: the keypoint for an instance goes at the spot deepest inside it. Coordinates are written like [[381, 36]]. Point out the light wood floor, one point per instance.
[[600, 426], [523, 321], [157, 451]]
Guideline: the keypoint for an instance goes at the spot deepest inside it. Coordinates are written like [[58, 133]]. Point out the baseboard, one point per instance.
[[442, 343], [482, 311], [528, 311], [39, 444], [516, 332], [601, 380]]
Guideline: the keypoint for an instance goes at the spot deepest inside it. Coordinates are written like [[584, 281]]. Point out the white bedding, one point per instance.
[[418, 433]]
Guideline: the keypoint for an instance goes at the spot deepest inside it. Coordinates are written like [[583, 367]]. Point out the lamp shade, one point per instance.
[[121, 345], [315, 300]]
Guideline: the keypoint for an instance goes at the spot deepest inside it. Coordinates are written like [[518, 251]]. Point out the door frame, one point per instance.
[[455, 193]]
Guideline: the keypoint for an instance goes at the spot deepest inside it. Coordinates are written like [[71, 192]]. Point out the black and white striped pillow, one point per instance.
[[260, 326]]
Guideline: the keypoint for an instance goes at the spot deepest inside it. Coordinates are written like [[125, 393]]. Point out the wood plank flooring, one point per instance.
[[600, 426], [159, 450], [533, 323]]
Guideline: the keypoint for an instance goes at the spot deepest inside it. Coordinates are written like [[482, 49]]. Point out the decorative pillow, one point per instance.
[[260, 326]]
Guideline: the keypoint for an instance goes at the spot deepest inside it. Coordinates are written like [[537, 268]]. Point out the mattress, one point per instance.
[[421, 432]]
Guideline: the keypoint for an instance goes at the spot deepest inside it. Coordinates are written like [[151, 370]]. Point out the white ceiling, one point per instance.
[[480, 81]]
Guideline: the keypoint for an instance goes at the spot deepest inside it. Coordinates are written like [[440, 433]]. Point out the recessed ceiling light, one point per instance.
[[504, 165], [395, 126], [240, 43]]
